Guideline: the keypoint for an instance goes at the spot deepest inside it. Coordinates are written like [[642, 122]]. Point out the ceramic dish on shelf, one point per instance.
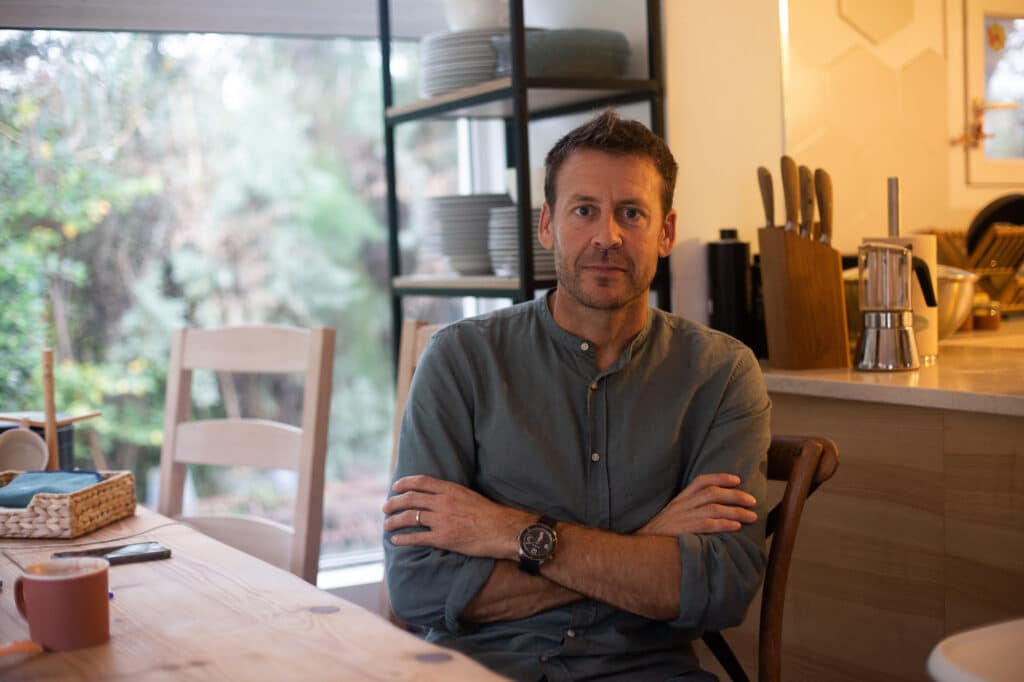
[[503, 244], [460, 59], [567, 53], [458, 223]]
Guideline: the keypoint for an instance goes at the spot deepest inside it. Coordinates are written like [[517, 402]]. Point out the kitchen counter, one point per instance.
[[920, 533], [981, 371]]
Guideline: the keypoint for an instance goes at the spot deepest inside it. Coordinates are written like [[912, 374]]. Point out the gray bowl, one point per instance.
[[955, 294]]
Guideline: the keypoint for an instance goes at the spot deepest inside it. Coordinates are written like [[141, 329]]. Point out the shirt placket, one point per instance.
[[598, 501]]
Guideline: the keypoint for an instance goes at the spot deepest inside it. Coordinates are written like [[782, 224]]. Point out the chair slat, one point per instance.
[[265, 350], [238, 442]]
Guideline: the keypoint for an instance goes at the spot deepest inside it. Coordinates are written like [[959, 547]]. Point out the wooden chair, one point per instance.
[[415, 335], [250, 442], [803, 463]]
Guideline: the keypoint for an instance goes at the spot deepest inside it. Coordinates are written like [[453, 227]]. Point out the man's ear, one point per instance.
[[545, 234], [667, 239]]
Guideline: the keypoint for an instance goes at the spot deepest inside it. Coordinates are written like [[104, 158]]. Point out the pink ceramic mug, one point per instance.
[[66, 602]]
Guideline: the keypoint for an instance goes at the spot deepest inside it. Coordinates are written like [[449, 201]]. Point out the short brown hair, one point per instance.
[[608, 132]]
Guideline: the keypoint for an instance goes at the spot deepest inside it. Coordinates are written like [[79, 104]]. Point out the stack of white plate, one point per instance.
[[459, 225], [503, 244], [449, 61]]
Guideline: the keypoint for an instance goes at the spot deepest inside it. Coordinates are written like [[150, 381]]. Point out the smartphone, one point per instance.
[[122, 554]]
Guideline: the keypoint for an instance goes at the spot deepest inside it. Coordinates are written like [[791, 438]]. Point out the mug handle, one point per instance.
[[19, 597]]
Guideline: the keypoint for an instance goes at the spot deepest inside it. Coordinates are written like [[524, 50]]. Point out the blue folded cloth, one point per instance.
[[23, 487]]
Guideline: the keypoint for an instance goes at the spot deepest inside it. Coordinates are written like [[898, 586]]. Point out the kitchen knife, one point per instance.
[[764, 181], [823, 187], [806, 202], [791, 192]]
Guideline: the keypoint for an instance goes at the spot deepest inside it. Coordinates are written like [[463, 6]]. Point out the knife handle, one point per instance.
[[806, 202], [791, 191], [764, 181], [823, 187]]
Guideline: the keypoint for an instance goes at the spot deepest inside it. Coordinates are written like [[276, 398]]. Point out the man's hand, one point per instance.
[[456, 519], [710, 504]]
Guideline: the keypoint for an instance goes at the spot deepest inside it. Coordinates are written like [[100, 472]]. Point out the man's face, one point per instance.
[[607, 228]]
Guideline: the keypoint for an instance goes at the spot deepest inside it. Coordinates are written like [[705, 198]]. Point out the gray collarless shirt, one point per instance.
[[514, 407]]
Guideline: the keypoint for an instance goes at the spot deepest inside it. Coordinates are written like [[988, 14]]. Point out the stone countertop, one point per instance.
[[980, 371]]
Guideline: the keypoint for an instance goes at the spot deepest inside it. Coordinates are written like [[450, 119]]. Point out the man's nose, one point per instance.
[[608, 234]]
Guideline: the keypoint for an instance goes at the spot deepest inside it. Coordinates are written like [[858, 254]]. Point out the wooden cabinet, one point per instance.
[[920, 534]]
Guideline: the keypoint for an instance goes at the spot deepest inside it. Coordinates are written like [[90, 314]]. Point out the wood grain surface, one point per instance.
[[919, 535], [214, 613]]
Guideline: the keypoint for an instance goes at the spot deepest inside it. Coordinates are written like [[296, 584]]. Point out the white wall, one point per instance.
[[724, 118]]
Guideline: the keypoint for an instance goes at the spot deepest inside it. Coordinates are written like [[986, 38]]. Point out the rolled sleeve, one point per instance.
[[721, 572], [430, 587]]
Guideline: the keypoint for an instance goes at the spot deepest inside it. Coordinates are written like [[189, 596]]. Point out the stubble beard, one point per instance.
[[571, 275]]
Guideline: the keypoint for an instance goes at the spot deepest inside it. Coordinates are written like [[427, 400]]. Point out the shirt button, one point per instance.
[[594, 457], [584, 346], [570, 633], [593, 386], [543, 659]]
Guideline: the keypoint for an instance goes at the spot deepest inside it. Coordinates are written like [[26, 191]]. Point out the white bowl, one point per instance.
[[466, 15]]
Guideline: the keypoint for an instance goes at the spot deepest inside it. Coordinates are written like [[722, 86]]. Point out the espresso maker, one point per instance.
[[888, 342]]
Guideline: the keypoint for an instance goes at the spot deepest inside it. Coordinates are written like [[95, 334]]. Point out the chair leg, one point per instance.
[[720, 648]]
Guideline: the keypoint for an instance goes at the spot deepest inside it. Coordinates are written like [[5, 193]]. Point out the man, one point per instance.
[[580, 479]]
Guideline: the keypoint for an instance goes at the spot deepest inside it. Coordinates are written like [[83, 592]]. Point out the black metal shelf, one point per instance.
[[545, 98], [517, 99], [482, 286]]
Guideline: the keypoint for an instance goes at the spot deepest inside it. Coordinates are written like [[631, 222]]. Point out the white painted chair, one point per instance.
[[250, 442]]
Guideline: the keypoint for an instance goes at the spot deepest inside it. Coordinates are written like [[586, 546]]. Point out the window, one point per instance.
[[994, 103], [155, 180]]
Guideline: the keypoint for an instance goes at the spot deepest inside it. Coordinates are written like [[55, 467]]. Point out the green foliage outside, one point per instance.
[[149, 182]]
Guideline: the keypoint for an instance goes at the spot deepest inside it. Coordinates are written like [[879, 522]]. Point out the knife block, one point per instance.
[[804, 307]]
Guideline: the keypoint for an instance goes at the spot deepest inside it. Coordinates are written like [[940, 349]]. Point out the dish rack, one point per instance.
[[997, 259]]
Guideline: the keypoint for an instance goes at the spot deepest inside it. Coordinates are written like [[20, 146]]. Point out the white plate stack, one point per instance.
[[503, 244], [449, 61], [460, 225]]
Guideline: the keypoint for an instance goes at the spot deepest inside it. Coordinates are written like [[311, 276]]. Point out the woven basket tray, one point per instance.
[[68, 515]]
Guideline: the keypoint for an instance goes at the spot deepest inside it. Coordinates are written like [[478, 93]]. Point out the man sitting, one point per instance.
[[580, 479]]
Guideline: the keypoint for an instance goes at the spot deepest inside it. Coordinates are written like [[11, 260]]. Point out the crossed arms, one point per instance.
[[694, 560], [640, 573]]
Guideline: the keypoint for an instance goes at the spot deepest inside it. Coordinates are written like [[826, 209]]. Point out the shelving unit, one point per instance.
[[517, 100]]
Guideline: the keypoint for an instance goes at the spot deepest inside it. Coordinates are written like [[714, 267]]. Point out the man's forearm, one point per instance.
[[510, 594], [639, 574]]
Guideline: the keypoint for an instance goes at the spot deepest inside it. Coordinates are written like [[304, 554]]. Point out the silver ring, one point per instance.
[[418, 518]]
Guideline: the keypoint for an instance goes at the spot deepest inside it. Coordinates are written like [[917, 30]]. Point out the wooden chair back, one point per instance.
[[415, 335], [251, 442], [804, 463]]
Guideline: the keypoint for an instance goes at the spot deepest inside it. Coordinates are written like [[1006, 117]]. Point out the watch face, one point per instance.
[[537, 542]]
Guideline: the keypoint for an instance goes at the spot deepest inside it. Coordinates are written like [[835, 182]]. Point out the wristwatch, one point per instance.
[[537, 544]]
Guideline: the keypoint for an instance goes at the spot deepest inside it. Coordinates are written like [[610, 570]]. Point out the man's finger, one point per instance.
[[724, 511], [422, 538], [720, 495], [708, 480], [410, 518], [409, 500], [418, 482]]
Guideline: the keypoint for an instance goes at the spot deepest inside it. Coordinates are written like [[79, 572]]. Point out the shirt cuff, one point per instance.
[[694, 595], [466, 584]]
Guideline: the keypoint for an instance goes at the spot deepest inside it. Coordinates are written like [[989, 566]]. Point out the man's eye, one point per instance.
[[583, 211], [632, 213]]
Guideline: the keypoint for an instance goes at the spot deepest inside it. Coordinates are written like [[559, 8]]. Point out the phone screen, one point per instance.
[[123, 554]]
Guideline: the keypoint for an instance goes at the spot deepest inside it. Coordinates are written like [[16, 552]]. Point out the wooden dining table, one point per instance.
[[211, 612]]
